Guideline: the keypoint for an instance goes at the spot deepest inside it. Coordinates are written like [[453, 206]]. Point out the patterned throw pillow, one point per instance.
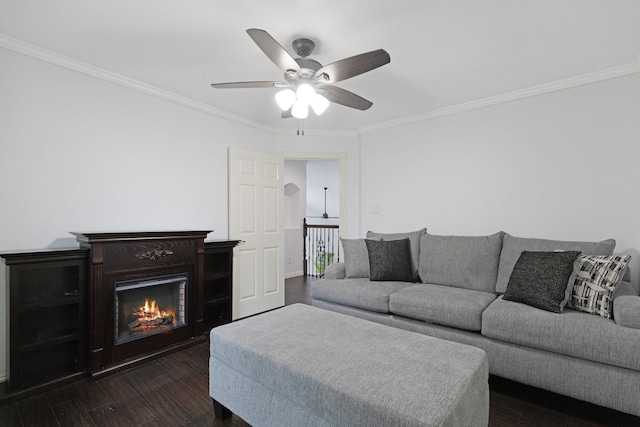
[[597, 278]]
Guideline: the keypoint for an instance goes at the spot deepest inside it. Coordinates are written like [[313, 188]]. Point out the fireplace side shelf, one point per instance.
[[47, 318], [217, 290]]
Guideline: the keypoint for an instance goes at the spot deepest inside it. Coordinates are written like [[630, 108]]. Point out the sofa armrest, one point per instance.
[[626, 311], [625, 288], [335, 271]]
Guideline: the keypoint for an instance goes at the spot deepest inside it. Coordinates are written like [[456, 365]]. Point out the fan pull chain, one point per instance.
[[300, 130]]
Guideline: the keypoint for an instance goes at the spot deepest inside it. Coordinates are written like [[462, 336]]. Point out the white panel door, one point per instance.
[[256, 217]]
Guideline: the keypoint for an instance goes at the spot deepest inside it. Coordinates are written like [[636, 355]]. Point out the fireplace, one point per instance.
[[145, 295], [150, 306]]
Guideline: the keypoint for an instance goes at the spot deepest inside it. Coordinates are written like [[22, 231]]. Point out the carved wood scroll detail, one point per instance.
[[154, 254]]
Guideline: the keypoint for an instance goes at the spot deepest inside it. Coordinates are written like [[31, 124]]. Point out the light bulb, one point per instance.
[[300, 110], [319, 103], [285, 99], [305, 93]]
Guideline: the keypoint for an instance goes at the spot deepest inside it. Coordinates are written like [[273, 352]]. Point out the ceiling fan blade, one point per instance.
[[245, 85], [354, 65], [273, 50], [287, 114], [346, 98]]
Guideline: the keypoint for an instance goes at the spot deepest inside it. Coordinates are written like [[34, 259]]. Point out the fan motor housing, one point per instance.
[[309, 64], [303, 47]]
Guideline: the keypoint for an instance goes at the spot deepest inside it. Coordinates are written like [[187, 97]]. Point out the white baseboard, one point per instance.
[[294, 274]]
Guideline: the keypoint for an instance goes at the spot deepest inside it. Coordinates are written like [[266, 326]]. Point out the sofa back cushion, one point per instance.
[[469, 262], [414, 244], [356, 258], [512, 248]]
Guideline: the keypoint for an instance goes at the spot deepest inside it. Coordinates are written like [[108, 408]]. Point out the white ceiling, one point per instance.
[[443, 53]]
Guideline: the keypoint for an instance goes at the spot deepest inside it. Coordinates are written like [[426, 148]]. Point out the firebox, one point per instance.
[[150, 306]]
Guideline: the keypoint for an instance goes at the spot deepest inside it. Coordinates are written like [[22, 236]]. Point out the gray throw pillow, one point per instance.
[[390, 260], [356, 258], [541, 279]]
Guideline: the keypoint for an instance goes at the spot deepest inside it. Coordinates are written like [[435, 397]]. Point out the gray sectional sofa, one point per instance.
[[469, 289]]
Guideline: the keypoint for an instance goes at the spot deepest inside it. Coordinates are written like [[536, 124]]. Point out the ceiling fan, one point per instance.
[[307, 83]]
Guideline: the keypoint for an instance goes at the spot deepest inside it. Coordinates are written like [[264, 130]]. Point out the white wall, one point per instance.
[[82, 154], [321, 174], [560, 166], [295, 178]]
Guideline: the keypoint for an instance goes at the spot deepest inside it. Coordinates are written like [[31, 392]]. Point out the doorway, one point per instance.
[[315, 186]]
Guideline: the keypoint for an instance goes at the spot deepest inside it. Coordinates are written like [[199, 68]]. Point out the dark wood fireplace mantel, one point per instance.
[[124, 256], [95, 237]]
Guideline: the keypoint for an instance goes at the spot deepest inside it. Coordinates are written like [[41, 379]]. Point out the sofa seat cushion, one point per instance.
[[444, 305], [571, 333], [360, 293]]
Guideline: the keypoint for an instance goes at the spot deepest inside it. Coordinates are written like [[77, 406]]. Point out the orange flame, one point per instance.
[[151, 310]]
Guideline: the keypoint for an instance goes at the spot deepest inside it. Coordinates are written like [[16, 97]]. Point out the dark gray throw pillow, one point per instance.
[[390, 260], [541, 279]]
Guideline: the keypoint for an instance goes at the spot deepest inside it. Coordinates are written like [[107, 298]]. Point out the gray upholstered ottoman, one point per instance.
[[304, 366]]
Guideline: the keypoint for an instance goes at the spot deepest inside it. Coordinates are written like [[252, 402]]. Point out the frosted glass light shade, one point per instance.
[[285, 99], [305, 93], [319, 103], [300, 110]]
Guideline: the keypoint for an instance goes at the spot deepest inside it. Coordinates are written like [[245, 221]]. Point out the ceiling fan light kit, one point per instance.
[[300, 110], [319, 104], [305, 93], [285, 99], [299, 101], [307, 82]]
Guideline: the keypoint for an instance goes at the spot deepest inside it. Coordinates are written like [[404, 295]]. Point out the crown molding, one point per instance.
[[584, 79], [27, 49]]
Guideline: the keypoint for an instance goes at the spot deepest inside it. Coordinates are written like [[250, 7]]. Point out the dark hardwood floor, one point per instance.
[[173, 391]]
